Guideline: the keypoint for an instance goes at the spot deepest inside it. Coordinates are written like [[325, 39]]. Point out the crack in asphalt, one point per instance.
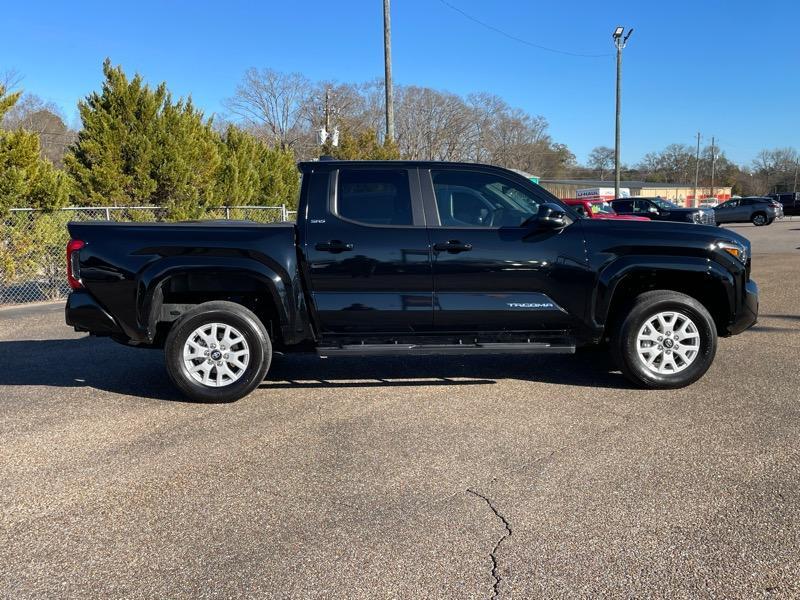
[[493, 553]]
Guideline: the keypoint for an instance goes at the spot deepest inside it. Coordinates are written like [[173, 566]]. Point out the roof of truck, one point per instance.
[[424, 164]]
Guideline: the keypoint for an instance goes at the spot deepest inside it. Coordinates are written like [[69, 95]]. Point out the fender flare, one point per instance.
[[151, 279], [613, 274]]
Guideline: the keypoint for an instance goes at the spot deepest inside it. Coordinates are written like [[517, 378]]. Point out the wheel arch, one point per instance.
[[705, 281], [166, 291]]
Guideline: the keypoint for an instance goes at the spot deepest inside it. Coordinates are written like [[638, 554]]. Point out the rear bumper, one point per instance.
[[85, 314], [747, 316]]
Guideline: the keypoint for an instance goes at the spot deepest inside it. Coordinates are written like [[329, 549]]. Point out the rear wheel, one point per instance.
[[667, 340], [759, 219], [217, 352]]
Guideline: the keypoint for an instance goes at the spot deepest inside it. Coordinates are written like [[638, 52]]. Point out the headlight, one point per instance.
[[734, 249], [701, 216]]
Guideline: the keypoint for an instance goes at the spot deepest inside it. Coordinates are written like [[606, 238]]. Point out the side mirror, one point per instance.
[[551, 216]]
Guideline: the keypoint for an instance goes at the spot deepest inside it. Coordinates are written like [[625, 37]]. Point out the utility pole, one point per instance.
[[713, 158], [387, 60], [620, 43], [324, 133], [697, 169], [795, 176], [327, 108]]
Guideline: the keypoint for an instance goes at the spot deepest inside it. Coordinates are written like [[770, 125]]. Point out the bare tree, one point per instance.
[[673, 164], [429, 124], [601, 159], [774, 170], [10, 79], [272, 104], [44, 119]]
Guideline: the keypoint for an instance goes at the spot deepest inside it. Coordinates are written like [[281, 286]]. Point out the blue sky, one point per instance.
[[728, 69]]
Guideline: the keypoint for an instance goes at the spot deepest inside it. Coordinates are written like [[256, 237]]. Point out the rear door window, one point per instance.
[[374, 197], [623, 206]]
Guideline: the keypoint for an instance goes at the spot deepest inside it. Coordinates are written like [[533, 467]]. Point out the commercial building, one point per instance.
[[681, 194]]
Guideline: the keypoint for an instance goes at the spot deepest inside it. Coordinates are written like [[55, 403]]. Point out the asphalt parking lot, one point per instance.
[[443, 477]]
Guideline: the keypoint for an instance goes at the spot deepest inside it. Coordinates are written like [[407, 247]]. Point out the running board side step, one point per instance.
[[442, 349]]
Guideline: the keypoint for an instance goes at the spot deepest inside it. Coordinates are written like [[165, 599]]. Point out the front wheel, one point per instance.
[[667, 340], [217, 352]]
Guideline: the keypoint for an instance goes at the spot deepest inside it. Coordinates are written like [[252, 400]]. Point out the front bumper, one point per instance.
[[85, 314], [705, 216], [747, 316]]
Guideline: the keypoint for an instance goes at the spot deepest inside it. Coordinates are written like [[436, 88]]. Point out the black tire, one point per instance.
[[643, 308], [759, 219], [233, 315]]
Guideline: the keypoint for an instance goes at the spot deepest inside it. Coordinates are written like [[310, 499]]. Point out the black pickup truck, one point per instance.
[[411, 258]]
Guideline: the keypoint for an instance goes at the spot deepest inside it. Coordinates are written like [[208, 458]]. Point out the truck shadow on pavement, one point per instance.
[[310, 371], [105, 365], [86, 362]]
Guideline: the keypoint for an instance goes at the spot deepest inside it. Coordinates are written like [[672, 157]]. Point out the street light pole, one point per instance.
[[713, 160], [387, 64], [697, 170], [619, 42]]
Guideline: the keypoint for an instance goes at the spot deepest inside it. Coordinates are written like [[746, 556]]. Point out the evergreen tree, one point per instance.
[[138, 147], [361, 146], [255, 173], [26, 179]]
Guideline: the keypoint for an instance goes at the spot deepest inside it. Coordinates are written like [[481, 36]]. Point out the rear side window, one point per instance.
[[374, 197], [623, 205]]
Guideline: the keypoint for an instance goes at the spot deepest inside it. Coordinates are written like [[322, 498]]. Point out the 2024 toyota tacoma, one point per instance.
[[411, 258]]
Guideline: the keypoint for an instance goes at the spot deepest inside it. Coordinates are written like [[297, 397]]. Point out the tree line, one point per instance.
[[137, 145], [770, 171]]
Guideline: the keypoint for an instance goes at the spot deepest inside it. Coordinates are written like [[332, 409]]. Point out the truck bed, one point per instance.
[[131, 269]]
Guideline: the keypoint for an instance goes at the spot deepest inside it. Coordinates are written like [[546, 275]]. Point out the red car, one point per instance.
[[599, 209]]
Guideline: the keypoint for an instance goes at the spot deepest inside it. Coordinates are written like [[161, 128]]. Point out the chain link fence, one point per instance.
[[33, 243]]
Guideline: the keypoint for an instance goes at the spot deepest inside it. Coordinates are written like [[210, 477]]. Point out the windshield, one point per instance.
[[515, 199], [666, 205], [601, 208]]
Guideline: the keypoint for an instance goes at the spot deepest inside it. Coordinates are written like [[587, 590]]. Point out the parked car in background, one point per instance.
[[599, 209], [758, 210], [708, 203], [789, 201], [659, 209]]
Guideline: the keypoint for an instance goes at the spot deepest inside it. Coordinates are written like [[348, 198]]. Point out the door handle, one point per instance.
[[333, 246], [452, 246]]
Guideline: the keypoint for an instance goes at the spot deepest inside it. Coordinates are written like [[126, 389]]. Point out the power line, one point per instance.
[[519, 39]]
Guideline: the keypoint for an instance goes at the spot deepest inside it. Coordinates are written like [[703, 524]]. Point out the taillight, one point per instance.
[[73, 264]]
